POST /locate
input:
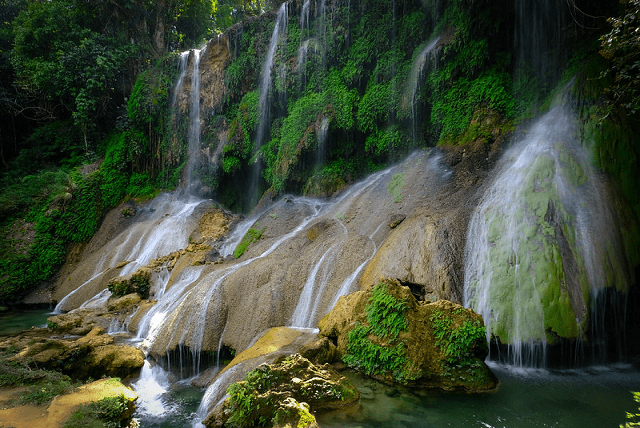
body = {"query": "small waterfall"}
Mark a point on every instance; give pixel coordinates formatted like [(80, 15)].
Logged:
[(535, 257), (414, 80), (97, 301), (62, 304), (304, 19), (323, 134), (215, 394), (264, 102), (539, 43), (302, 314), (151, 386)]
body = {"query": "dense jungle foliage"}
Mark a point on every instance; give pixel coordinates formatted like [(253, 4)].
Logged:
[(86, 92)]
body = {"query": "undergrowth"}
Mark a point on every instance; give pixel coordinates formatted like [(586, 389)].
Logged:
[(42, 385), (106, 413)]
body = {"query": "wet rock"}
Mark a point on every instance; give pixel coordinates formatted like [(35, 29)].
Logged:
[(123, 302)]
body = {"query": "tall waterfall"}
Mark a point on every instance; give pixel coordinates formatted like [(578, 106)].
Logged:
[(264, 102), (194, 123), (542, 243)]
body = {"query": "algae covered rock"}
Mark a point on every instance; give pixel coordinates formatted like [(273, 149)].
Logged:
[(283, 394), (544, 241), (387, 334)]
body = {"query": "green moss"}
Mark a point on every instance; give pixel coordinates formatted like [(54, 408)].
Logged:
[(396, 185), (252, 235)]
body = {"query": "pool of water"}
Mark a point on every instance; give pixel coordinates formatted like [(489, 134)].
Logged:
[(595, 397), (17, 321)]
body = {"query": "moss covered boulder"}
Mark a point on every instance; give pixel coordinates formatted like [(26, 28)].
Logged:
[(386, 333), (284, 394), (544, 240)]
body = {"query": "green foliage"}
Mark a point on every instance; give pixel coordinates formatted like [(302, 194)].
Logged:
[(386, 140), (138, 283), (243, 396), (386, 320), (457, 104), (252, 235), (373, 109), (114, 170), (106, 413), (31, 190), (621, 47), (633, 419), (43, 385), (149, 97), (373, 359), (385, 313), (457, 343)]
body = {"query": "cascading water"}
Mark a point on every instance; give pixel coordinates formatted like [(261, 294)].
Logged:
[(536, 250)]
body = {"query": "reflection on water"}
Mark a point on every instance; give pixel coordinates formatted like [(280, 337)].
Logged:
[(595, 397), (15, 322)]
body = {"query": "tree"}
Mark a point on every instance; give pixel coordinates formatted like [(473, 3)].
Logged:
[(621, 46)]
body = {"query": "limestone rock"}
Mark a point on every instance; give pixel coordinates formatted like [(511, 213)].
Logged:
[(124, 302), (94, 355)]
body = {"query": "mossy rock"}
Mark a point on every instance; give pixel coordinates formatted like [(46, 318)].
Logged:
[(284, 394), (420, 350)]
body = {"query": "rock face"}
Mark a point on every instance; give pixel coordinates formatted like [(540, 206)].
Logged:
[(94, 355), (283, 394), (387, 334)]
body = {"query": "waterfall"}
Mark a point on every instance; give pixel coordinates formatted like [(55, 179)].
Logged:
[(539, 36), (194, 123), (323, 134), (264, 102), (414, 80), (184, 59), (216, 393), (536, 250), (151, 386)]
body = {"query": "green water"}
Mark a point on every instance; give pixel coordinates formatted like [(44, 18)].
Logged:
[(595, 397), (15, 322)]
